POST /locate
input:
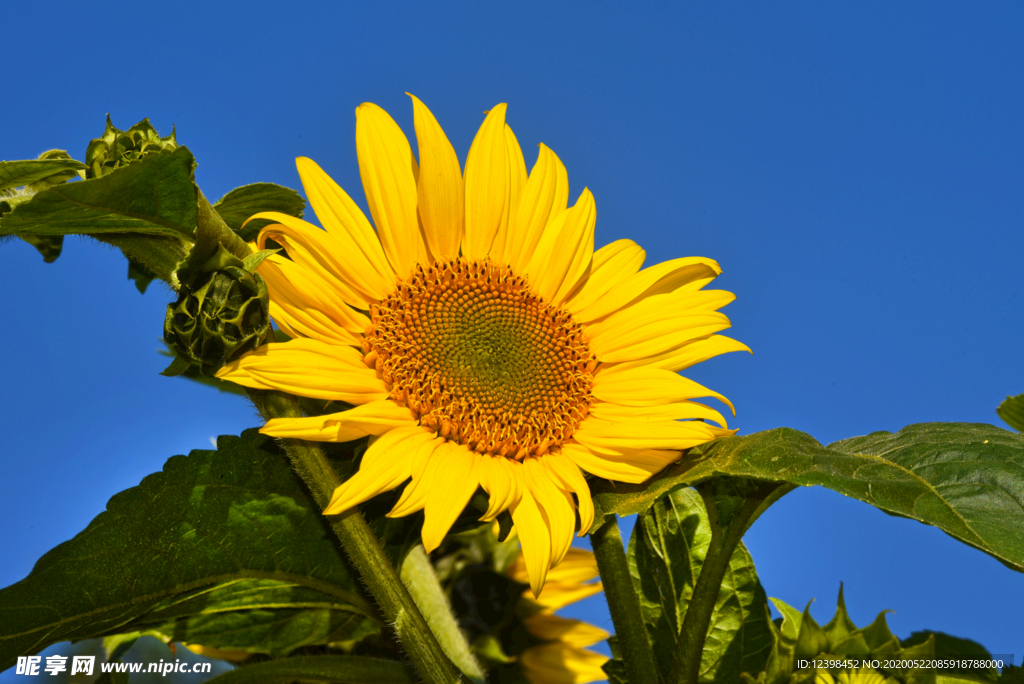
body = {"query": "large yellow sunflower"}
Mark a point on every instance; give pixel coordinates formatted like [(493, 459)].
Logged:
[(480, 339)]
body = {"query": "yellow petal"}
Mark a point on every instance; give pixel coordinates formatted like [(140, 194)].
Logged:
[(626, 466), (414, 496), (308, 302), (579, 565), (564, 252), (500, 478), (613, 264), (386, 464), (535, 537), (320, 252), (680, 410), (560, 663), (667, 276), (516, 183), (308, 368), (344, 219), (573, 632), (449, 489), (611, 438), (374, 418), (544, 196), (386, 168), (644, 386), (487, 185), (564, 472), (690, 354), (557, 507), (439, 189)]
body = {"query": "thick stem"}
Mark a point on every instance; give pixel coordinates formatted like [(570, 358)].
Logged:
[(420, 579), (212, 229), (623, 603), (363, 549), (729, 514)]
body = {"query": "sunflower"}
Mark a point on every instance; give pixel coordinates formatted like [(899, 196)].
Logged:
[(478, 337), (563, 657)]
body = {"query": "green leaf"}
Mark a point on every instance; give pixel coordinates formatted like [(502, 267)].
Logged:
[(947, 645), (967, 479), (241, 203), (14, 174), (153, 196), (791, 618), (49, 246), (338, 669), (222, 548), (254, 260), (665, 555), (139, 273), (1012, 411)]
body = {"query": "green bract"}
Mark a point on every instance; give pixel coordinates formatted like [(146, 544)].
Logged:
[(117, 148), (222, 311)]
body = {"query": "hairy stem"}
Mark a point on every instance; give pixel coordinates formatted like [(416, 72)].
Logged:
[(422, 583), (623, 603), (363, 549), (731, 507)]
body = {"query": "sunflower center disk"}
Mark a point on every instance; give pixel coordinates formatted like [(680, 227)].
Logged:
[(481, 359)]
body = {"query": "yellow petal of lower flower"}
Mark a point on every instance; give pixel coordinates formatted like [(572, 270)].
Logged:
[(414, 496), (386, 169), (578, 566), (344, 219), (374, 418), (565, 250), (667, 276), (535, 537), (573, 632), (487, 185), (560, 663), (613, 264), (559, 594), (644, 386), (681, 410), (449, 489), (439, 188), (308, 368), (386, 464), (565, 473), (545, 195), (556, 504), (613, 437), (689, 354), (627, 465)]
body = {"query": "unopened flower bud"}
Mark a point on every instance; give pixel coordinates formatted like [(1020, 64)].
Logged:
[(222, 311), (117, 148)]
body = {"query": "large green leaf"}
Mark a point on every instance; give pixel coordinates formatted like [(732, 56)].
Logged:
[(967, 479), (241, 203), (153, 196), (1012, 411), (14, 174), (222, 548), (665, 555)]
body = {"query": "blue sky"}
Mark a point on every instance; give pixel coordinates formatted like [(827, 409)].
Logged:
[(857, 172)]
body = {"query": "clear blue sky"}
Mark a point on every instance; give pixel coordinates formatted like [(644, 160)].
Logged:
[(857, 171)]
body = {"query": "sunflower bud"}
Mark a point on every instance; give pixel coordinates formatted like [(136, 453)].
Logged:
[(117, 148), (222, 312)]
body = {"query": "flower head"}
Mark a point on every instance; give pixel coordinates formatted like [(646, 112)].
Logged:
[(562, 658), (480, 339)]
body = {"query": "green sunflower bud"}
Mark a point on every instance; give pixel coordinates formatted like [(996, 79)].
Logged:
[(117, 148), (222, 312)]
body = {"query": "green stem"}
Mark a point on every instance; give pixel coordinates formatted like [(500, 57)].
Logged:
[(420, 579), (212, 229), (731, 507), (362, 547), (623, 603)]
